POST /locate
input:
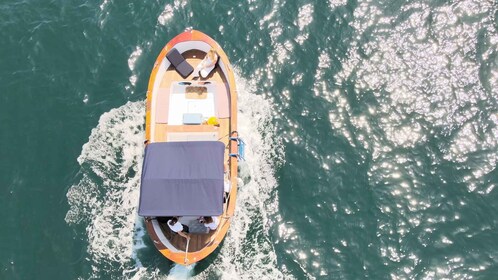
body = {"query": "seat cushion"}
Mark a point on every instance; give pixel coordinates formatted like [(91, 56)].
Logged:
[(179, 62), (162, 102), (184, 69), (175, 57), (206, 71)]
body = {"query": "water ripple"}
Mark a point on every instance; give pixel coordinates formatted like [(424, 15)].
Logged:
[(418, 78)]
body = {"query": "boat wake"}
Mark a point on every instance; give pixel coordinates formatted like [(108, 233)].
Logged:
[(104, 200), (180, 272)]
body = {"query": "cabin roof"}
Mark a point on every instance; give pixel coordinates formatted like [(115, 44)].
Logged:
[(182, 179)]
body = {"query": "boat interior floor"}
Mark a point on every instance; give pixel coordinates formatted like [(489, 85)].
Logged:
[(200, 236)]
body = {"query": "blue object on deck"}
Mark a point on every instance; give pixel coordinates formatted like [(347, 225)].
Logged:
[(241, 148), (190, 118)]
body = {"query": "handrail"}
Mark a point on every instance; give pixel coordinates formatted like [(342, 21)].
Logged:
[(241, 145)]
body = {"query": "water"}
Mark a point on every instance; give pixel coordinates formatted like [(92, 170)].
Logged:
[(371, 126)]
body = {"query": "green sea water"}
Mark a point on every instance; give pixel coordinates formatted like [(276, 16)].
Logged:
[(372, 132)]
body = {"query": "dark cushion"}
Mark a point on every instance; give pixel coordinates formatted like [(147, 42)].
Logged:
[(175, 57), (185, 69), (179, 62)]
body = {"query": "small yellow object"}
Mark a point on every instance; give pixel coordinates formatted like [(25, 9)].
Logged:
[(213, 121)]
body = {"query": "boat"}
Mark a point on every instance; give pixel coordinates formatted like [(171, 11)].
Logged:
[(192, 147)]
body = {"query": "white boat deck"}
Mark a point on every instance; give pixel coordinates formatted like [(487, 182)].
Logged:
[(180, 104)]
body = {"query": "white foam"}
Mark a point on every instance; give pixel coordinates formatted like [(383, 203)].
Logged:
[(333, 4), (104, 5), (132, 61), (305, 16), (271, 15), (166, 15), (106, 197), (169, 11), (180, 272)]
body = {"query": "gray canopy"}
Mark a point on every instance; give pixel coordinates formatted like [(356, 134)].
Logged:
[(182, 179)]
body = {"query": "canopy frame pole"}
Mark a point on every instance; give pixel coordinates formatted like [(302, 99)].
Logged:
[(228, 196), (226, 204), (186, 251)]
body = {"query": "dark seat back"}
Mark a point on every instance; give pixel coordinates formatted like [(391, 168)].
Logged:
[(179, 62)]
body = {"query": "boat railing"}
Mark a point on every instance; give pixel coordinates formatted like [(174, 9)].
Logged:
[(241, 146)]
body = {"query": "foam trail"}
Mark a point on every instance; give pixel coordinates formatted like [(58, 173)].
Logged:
[(180, 272), (106, 197)]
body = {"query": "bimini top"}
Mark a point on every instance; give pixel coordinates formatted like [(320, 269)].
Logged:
[(182, 179)]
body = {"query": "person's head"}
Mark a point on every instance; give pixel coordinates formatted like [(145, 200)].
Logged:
[(208, 220), (173, 221)]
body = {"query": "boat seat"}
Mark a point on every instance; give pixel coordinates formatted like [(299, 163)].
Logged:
[(193, 225), (179, 62), (198, 228)]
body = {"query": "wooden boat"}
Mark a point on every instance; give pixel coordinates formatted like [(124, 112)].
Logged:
[(189, 118)]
